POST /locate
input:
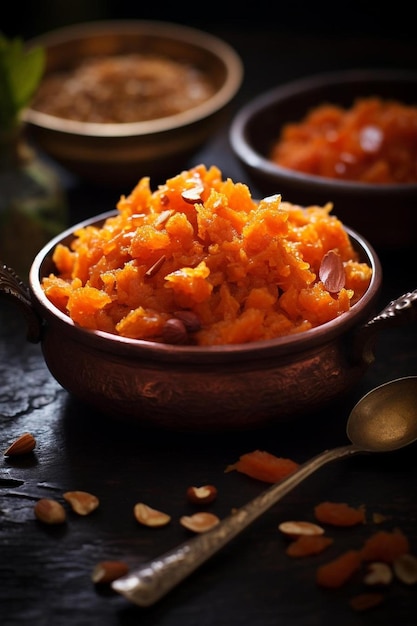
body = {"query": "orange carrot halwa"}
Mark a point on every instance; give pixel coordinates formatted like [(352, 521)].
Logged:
[(201, 248), (373, 141)]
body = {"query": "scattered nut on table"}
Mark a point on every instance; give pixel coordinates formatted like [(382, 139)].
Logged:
[(199, 522), (201, 495), (50, 511), (148, 516), (82, 502), (22, 445)]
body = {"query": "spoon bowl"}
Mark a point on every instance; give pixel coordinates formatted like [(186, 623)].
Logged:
[(385, 419)]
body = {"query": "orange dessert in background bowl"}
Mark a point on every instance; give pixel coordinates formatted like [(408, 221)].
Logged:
[(348, 138)]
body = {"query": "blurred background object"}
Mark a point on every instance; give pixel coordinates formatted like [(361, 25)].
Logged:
[(120, 97)]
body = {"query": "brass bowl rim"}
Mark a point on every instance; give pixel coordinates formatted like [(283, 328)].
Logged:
[(151, 28)]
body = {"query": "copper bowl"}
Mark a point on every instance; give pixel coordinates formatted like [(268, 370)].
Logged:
[(383, 213), (114, 154), (193, 388)]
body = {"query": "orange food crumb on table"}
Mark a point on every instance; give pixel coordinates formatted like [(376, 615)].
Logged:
[(339, 514), (308, 545), (337, 572), (264, 466)]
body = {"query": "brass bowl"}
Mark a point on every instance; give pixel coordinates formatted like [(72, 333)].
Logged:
[(383, 213), (223, 388), (117, 154)]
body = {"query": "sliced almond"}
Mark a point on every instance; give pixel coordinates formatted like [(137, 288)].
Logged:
[(154, 269), (378, 574), (199, 522), (162, 217), (148, 516), (107, 571), (296, 529), (202, 495), (50, 511), (22, 445), (405, 568), (332, 272), (193, 195), (81, 502)]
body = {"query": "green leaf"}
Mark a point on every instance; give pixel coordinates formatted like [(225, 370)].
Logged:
[(20, 73)]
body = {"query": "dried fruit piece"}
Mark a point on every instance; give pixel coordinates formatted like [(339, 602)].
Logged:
[(202, 495), (199, 522), (49, 511), (22, 445), (148, 516), (81, 502), (339, 514), (378, 574), (296, 529), (385, 546), (405, 569), (332, 272), (365, 601), (307, 545), (263, 466), (337, 572), (107, 571)]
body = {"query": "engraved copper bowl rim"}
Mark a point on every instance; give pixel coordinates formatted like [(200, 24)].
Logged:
[(282, 346)]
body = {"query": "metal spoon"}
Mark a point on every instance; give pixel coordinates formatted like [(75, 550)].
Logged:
[(385, 419)]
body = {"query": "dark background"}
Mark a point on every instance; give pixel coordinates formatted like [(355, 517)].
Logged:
[(323, 17)]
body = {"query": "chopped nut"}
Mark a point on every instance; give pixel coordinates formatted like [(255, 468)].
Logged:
[(175, 332), (332, 271), (22, 445), (202, 495), (50, 511), (405, 568), (199, 522), (378, 574), (296, 529), (81, 502), (193, 195), (162, 217), (365, 601), (147, 516), (107, 571), (154, 269)]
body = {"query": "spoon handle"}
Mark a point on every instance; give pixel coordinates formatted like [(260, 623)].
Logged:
[(152, 580)]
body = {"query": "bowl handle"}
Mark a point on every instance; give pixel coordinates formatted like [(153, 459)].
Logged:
[(398, 312), (14, 289)]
